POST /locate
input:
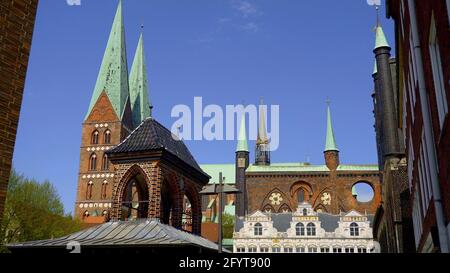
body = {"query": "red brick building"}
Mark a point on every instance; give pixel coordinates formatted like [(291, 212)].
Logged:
[(421, 115), (131, 166), (280, 187), (16, 30)]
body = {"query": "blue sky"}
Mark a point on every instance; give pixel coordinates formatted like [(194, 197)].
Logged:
[(292, 53)]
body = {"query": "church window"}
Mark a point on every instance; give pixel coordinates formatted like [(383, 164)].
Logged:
[(300, 229), (354, 229), (301, 195), (104, 185), (105, 162), (93, 162), (107, 137), (258, 229), (94, 138), (89, 190), (311, 229)]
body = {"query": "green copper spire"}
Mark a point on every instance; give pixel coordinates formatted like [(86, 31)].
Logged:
[(354, 193), (375, 68), (330, 141), (380, 40), (140, 105), (242, 145), (113, 75)]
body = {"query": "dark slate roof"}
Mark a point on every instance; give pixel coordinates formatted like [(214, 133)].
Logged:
[(151, 135), (142, 233), (282, 221)]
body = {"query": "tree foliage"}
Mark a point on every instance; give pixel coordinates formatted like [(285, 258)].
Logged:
[(227, 225), (33, 211)]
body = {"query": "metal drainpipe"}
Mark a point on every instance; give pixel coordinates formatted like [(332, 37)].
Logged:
[(428, 130)]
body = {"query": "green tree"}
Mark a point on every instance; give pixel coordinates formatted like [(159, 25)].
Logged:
[(227, 226), (33, 211)]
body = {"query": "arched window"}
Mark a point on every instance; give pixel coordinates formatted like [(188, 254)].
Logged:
[(305, 212), (93, 162), (107, 137), (301, 195), (354, 229), (258, 229), (94, 137), (104, 186), (89, 190), (311, 229), (300, 229), (105, 163)]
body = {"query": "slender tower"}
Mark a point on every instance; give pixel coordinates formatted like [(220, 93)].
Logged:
[(107, 122), (331, 151), (242, 162), (262, 151), (386, 101), (139, 98)]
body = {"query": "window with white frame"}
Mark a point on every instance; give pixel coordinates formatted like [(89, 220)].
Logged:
[(438, 77)]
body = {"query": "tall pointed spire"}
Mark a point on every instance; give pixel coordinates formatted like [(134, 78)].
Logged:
[(113, 74), (242, 145), (140, 106), (330, 140), (262, 133), (380, 40)]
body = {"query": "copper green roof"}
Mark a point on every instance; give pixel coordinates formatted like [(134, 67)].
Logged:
[(139, 98), (113, 74), (242, 144), (228, 170), (380, 40), (330, 144), (360, 167), (213, 170)]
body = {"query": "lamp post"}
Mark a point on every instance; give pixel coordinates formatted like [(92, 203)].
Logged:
[(219, 189)]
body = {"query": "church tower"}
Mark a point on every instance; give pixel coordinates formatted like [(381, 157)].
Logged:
[(242, 163), (331, 151), (262, 152), (107, 122), (385, 95)]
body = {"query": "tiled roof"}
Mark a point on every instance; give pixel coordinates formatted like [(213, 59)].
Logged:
[(151, 135), (143, 233)]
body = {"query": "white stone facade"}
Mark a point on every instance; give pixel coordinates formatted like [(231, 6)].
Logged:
[(304, 231)]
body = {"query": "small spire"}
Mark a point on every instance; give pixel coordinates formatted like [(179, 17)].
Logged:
[(262, 133), (330, 140), (375, 68), (140, 105), (242, 145)]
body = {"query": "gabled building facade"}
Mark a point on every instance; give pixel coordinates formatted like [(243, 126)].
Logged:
[(304, 231)]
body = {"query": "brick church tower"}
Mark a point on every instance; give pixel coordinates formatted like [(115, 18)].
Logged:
[(117, 106)]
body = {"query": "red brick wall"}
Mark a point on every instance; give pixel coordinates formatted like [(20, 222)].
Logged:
[(16, 29)]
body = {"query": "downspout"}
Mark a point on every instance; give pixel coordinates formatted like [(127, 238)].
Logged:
[(428, 131)]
